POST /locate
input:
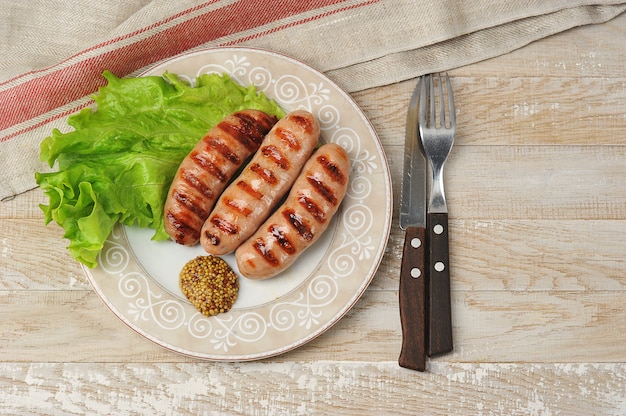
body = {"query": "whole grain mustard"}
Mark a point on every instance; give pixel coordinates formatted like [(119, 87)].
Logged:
[(210, 284)]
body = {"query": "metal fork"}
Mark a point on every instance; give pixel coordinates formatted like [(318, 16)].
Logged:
[(437, 136)]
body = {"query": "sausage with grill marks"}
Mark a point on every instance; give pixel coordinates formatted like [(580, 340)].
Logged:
[(301, 219), (248, 201), (206, 170)]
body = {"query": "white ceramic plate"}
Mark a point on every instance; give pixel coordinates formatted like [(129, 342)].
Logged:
[(138, 278)]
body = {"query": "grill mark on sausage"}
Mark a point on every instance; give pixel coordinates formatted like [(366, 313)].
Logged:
[(224, 225), (249, 131), (312, 208), (260, 126), (192, 180), (265, 174), (236, 132), (207, 165), (223, 149), (237, 206), (332, 169), (212, 238), (321, 188), (298, 224), (257, 129), (304, 122), (247, 188), (265, 252), (283, 242), (288, 137), (183, 229), (272, 153), (190, 203)]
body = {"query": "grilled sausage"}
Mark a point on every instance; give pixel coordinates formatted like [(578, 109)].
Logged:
[(248, 201), (206, 170), (301, 219)]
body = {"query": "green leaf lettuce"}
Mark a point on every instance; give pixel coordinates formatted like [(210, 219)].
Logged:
[(117, 163)]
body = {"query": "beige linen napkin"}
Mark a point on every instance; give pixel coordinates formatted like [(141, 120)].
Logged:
[(53, 52)]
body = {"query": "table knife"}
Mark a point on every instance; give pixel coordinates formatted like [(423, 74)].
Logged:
[(413, 271)]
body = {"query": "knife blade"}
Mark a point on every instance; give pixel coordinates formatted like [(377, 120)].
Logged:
[(413, 272)]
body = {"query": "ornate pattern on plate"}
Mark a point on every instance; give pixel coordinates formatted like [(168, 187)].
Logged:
[(146, 304)]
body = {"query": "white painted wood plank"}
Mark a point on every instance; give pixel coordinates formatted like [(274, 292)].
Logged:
[(292, 388), (485, 255), (498, 326)]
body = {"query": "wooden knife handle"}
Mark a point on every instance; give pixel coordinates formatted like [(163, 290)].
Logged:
[(440, 313), (413, 298)]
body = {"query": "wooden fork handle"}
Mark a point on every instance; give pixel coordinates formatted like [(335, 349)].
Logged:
[(440, 312), (413, 300)]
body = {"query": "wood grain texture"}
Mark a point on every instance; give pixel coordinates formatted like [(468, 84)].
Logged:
[(413, 300), (531, 110), (536, 185), (34, 256), (488, 326), (440, 340), (294, 388)]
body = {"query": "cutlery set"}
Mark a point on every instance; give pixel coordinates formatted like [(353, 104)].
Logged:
[(424, 293)]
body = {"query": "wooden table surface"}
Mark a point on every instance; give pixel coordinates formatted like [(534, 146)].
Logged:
[(536, 185)]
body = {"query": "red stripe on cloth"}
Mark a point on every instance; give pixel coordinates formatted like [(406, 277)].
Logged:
[(112, 41), (46, 121), (299, 22), (40, 95)]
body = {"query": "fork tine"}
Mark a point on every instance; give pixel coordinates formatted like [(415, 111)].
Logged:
[(431, 100), (452, 115), (442, 107), (423, 100)]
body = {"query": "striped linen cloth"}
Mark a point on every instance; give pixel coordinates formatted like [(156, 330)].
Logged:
[(54, 51)]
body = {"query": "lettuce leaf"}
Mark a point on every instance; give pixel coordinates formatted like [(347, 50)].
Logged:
[(117, 163)]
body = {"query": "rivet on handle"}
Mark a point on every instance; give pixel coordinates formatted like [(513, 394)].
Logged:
[(415, 272)]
